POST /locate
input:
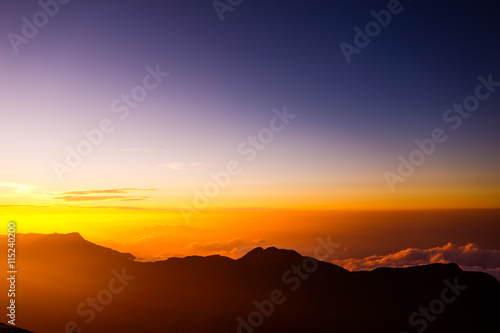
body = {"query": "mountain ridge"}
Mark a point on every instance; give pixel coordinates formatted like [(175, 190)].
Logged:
[(208, 294), (12, 329)]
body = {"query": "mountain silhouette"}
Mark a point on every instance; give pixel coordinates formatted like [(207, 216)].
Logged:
[(269, 256), (62, 278), (12, 329), (73, 242)]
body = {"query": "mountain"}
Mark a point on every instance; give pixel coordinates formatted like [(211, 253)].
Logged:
[(67, 284), (73, 242), (11, 329)]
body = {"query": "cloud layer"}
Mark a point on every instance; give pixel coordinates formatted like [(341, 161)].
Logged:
[(469, 257), (230, 247)]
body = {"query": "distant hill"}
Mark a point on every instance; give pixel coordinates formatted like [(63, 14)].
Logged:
[(71, 241), (66, 281)]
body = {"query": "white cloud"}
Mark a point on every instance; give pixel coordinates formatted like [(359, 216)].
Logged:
[(178, 165), (148, 150), (469, 257), (19, 188), (231, 247)]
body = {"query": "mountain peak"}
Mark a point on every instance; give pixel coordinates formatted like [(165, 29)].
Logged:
[(73, 243), (270, 255), (73, 235), (69, 237)]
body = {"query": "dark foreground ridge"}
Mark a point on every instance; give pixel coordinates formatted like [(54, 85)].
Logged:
[(11, 329), (69, 284)]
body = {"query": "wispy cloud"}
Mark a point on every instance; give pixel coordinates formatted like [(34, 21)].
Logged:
[(148, 150), (73, 198), (179, 166), (90, 195), (19, 188), (51, 206), (107, 191)]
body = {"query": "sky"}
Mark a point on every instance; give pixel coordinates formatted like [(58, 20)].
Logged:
[(192, 108)]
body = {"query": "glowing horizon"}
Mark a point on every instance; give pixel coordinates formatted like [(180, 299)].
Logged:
[(201, 120)]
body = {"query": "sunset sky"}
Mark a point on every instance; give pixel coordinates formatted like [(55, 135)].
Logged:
[(227, 80)]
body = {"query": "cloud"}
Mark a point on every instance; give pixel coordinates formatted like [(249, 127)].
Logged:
[(148, 150), (107, 191), (50, 206), (469, 257), (227, 247), (89, 195), (24, 205), (178, 166), (73, 198), (19, 188)]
